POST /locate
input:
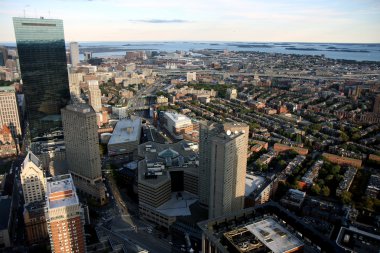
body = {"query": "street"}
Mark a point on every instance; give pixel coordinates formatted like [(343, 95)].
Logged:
[(122, 221)]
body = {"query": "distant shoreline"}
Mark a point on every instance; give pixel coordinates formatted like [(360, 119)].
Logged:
[(344, 51)]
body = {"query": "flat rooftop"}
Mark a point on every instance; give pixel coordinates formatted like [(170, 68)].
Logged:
[(356, 240), (61, 192), (178, 118), (153, 151), (82, 108), (7, 89), (126, 130), (252, 183), (178, 205), (273, 235)]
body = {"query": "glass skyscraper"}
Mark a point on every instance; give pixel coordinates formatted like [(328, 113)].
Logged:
[(42, 55)]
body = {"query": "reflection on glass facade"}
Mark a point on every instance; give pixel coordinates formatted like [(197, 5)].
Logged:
[(42, 55)]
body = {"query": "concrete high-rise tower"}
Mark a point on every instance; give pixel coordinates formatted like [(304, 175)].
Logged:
[(74, 53), (222, 167), (74, 84), (3, 55), (64, 216), (42, 56), (9, 113), (95, 95), (82, 149)]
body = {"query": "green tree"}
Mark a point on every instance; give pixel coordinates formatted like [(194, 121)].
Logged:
[(356, 136), (299, 139), (264, 167), (316, 189), (346, 197), (335, 169), (344, 137), (316, 127), (368, 204), (254, 126), (282, 163), (325, 191)]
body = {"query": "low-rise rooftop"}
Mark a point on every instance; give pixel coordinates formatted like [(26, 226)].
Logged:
[(273, 235), (178, 205), (126, 130)]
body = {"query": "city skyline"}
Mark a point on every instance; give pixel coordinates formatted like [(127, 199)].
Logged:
[(321, 21), (174, 135)]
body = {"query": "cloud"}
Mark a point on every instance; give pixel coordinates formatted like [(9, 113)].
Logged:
[(159, 21)]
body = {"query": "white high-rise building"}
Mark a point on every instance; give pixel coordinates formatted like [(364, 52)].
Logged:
[(74, 53), (191, 76), (95, 95), (222, 167), (33, 179), (9, 114), (74, 84), (82, 149), (231, 93)]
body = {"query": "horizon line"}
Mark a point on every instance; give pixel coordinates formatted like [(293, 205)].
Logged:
[(210, 41)]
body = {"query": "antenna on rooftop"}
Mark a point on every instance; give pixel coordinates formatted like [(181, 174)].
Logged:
[(26, 6)]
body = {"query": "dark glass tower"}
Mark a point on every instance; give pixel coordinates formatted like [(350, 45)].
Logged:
[(42, 55)]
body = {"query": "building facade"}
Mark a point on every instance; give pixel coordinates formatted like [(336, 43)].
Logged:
[(177, 124), (231, 93), (74, 85), (64, 216), (376, 105), (167, 170), (3, 56), (32, 179), (222, 168), (74, 53), (35, 222), (95, 95), (8, 145), (6, 222), (82, 149), (42, 56), (191, 76), (9, 113)]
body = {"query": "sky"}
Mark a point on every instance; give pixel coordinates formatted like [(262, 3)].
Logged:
[(340, 21)]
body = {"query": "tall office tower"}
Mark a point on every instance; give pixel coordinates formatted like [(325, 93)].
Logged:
[(231, 93), (376, 105), (74, 84), (74, 53), (222, 167), (9, 113), (95, 95), (32, 179), (82, 149), (3, 56), (87, 56), (64, 216), (42, 54)]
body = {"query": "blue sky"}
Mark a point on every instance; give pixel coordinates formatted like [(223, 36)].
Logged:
[(204, 20)]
